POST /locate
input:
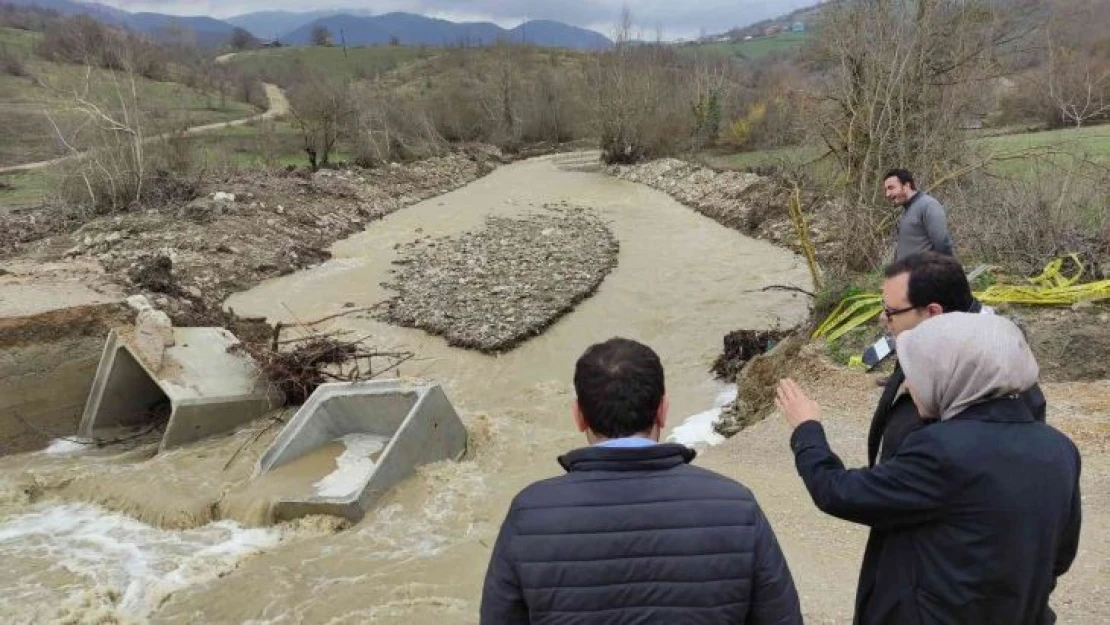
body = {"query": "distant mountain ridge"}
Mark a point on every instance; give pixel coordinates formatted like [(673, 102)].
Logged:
[(275, 24), (356, 27), (206, 32), (412, 29)]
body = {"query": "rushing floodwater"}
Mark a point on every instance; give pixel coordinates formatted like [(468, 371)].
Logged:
[(681, 284)]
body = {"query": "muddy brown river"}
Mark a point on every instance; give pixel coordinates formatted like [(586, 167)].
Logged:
[(158, 547)]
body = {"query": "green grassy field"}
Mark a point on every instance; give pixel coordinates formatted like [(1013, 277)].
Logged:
[(24, 189), (27, 104), (263, 144), (352, 64), (1064, 147), (19, 40), (753, 49), (1091, 143), (258, 145)]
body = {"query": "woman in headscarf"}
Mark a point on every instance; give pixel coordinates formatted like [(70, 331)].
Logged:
[(979, 511)]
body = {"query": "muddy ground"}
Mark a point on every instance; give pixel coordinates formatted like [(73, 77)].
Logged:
[(239, 231), (823, 552)]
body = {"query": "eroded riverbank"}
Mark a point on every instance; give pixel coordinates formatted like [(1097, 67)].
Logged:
[(681, 282)]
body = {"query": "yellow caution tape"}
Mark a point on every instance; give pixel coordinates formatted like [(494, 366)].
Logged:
[(850, 313), (1050, 288)]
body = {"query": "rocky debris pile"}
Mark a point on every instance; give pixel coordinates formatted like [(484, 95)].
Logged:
[(493, 288), (1070, 344), (749, 203), (756, 384), (743, 345), (249, 228), (21, 226)]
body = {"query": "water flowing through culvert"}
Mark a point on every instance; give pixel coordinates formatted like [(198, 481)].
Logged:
[(682, 282)]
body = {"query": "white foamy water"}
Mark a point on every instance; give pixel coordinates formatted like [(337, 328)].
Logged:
[(697, 430), (353, 466), (66, 446), (60, 552)]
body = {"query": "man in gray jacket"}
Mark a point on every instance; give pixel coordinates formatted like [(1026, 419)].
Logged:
[(923, 226)]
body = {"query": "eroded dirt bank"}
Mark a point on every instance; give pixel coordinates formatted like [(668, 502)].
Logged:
[(681, 283)]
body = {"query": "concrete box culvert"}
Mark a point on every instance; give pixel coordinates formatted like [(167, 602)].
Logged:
[(203, 386), (416, 421)]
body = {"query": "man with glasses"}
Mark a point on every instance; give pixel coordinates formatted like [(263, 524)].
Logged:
[(916, 288)]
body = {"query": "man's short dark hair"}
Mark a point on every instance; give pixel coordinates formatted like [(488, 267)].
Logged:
[(620, 387), (935, 279), (903, 176)]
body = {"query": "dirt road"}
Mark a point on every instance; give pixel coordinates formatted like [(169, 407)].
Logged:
[(279, 105)]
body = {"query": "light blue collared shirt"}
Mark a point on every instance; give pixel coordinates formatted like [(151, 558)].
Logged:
[(629, 442)]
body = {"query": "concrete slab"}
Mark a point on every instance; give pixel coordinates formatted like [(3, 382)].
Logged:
[(417, 424), (33, 288), (206, 386)]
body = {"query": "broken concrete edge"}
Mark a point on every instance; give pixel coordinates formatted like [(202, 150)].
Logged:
[(297, 438), (92, 320), (210, 390), (429, 431)]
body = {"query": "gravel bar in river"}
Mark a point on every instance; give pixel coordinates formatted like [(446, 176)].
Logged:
[(493, 288)]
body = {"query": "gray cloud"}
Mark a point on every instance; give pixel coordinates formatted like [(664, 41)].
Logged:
[(673, 17)]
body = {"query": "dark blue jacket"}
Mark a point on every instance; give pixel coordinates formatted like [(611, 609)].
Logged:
[(637, 536), (978, 515), (896, 416)]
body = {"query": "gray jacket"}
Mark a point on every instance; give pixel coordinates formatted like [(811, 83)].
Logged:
[(923, 228)]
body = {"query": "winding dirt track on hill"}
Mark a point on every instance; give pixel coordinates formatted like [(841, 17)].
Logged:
[(279, 105)]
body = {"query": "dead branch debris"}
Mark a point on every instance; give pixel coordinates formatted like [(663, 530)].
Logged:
[(297, 371)]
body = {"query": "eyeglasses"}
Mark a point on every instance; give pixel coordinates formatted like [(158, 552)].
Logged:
[(894, 312)]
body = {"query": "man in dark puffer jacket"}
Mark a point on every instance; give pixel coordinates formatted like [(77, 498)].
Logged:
[(633, 533)]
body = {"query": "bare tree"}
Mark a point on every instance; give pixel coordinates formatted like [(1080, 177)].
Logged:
[(241, 39), (904, 80), (123, 166), (1078, 85), (321, 36), (322, 107), (622, 34), (710, 82)]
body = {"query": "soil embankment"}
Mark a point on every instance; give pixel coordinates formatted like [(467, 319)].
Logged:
[(427, 541), (681, 283)]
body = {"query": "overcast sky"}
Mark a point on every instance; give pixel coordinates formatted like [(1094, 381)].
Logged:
[(676, 18)]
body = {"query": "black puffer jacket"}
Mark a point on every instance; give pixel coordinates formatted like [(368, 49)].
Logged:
[(978, 516), (896, 417), (637, 536)]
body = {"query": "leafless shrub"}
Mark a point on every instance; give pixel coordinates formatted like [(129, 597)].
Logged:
[(640, 110), (392, 128), (1023, 223), (322, 107), (13, 63), (123, 166)]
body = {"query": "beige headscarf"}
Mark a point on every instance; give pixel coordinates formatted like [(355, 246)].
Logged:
[(956, 360)]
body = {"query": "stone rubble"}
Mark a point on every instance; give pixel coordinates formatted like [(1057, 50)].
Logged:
[(493, 288), (248, 228), (749, 203)]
